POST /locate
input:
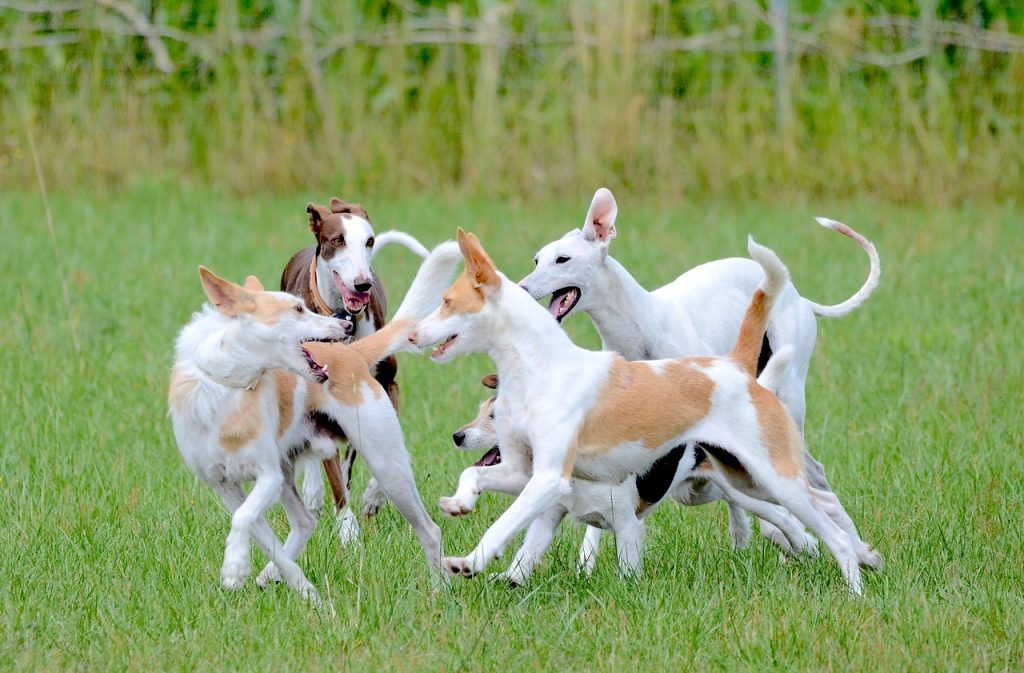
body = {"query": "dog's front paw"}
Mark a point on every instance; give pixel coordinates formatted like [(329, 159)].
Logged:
[(461, 567), (269, 575), (348, 527), (454, 506), (870, 558), (373, 499), (233, 574)]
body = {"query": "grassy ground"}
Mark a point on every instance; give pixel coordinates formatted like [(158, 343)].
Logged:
[(112, 549)]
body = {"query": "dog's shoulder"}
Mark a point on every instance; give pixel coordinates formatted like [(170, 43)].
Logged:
[(295, 278)]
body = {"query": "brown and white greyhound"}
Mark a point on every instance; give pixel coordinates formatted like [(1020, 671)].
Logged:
[(334, 278)]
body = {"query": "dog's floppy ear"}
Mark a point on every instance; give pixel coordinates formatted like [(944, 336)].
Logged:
[(339, 206), (253, 284), (479, 267), (317, 215), (490, 381), (600, 224), (229, 299)]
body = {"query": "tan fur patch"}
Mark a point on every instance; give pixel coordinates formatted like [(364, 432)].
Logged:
[(285, 382), (748, 345), (180, 389), (637, 403), (778, 432), (462, 297), (269, 309), (347, 370), (243, 423)]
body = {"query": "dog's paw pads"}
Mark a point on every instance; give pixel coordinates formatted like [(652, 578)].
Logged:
[(460, 567), (455, 507)]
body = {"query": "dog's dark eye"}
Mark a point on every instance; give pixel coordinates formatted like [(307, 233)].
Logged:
[(447, 301), (535, 261), (298, 308), (491, 415), (340, 241), (562, 259), (370, 242)]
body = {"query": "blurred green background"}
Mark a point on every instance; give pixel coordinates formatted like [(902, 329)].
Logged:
[(912, 102)]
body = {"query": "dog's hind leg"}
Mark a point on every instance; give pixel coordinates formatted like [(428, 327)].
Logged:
[(242, 507), (535, 544), (588, 551), (828, 502), (307, 470), (794, 539), (374, 430), (301, 524), (348, 525)]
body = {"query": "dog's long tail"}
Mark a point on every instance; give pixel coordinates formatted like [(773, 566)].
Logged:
[(748, 345), (401, 238), (861, 295), (424, 295)]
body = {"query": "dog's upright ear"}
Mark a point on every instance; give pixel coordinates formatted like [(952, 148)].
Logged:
[(339, 206), (253, 284), (317, 215), (229, 299), (479, 267), (600, 224), (490, 381)]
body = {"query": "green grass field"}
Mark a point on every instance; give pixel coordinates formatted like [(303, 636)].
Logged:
[(111, 548)]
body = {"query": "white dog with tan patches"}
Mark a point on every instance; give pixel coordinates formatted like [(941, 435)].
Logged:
[(247, 378), (596, 417)]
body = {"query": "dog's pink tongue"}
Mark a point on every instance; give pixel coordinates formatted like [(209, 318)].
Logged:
[(354, 301)]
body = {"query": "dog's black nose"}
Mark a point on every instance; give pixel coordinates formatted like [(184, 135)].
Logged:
[(364, 286), (459, 437)]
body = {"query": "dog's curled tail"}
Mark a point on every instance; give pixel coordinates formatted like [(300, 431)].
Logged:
[(748, 345), (424, 295), (861, 295), (401, 238)]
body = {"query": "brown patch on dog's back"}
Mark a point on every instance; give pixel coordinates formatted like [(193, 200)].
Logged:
[(243, 423), (637, 403), (180, 389), (778, 431), (285, 383)]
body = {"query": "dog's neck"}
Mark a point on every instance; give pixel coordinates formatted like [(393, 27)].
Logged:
[(323, 289), (623, 312), (524, 337), (217, 348)]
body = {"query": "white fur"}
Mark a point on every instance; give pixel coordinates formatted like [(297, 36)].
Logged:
[(699, 313), (548, 385), (227, 356)]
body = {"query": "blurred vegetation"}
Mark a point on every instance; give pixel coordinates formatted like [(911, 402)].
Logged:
[(895, 99)]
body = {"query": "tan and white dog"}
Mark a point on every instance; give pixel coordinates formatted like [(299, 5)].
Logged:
[(245, 387), (596, 417)]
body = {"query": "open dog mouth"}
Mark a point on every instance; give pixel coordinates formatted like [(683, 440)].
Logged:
[(355, 302), (445, 345), (319, 370), (563, 301), (492, 457)]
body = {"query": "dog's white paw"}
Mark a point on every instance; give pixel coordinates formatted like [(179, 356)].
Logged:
[(455, 506), (348, 527), (233, 574), (269, 575), (461, 567), (373, 499), (870, 558)]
